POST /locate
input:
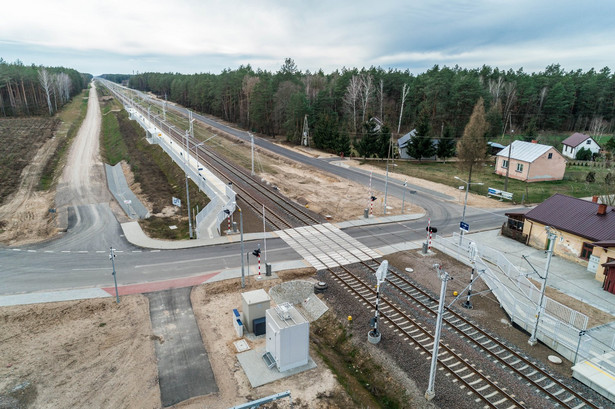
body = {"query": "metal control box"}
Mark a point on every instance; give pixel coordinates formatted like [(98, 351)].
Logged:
[(254, 304), (288, 337)]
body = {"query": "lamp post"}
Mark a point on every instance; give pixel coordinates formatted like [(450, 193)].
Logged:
[(465, 203), (386, 180), (187, 187), (243, 280), (403, 200), (551, 240)]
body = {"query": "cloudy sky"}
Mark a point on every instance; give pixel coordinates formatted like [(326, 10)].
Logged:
[(188, 36)]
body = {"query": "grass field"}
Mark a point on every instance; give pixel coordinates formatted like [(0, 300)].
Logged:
[(573, 184)]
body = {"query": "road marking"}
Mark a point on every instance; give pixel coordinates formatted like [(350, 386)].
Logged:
[(16, 249), (92, 268), (31, 251), (65, 251), (49, 251), (154, 251)]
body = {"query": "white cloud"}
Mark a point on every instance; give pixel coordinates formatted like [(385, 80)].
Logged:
[(317, 34)]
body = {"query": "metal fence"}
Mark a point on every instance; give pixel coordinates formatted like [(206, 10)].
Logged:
[(560, 327)]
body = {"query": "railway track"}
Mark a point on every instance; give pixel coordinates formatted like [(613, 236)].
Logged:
[(280, 212), (487, 391)]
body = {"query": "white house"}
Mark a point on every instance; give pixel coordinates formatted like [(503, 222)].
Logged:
[(576, 142)]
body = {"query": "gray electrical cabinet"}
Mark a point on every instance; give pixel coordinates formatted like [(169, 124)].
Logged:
[(254, 305), (288, 337)]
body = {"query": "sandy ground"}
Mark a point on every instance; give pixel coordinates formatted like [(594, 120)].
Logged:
[(359, 192), (80, 354), (27, 211), (213, 305), (82, 182)]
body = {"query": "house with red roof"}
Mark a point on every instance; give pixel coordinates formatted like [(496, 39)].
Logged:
[(585, 233), (577, 141)]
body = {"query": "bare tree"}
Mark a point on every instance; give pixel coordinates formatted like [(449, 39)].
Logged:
[(350, 98), (598, 126), (247, 87), (472, 148), (404, 94), (510, 89), (367, 82), (381, 98), (46, 83), (495, 89)]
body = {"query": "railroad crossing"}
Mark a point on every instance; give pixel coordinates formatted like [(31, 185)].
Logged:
[(326, 246)]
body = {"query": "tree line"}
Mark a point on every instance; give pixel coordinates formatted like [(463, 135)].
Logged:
[(340, 104), (36, 90)]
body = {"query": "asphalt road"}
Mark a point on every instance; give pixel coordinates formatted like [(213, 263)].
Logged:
[(80, 258)]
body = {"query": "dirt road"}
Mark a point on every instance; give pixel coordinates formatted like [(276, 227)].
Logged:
[(82, 198)]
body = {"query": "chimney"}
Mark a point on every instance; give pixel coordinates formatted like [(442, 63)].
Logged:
[(595, 199), (601, 209)]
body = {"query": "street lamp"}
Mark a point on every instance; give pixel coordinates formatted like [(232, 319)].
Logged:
[(465, 203), (243, 280), (186, 164)]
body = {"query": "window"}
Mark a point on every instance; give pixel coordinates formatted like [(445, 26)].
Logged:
[(504, 163), (550, 156), (589, 141), (519, 167), (586, 251)]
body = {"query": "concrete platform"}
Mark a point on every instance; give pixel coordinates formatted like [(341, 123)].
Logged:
[(597, 373), (257, 372)]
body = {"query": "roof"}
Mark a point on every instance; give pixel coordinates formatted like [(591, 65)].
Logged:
[(403, 141), (575, 139), (576, 216), (524, 151), (609, 264), (605, 243), (495, 145)]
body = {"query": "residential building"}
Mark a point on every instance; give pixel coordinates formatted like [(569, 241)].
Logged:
[(585, 233), (575, 142), (530, 162)]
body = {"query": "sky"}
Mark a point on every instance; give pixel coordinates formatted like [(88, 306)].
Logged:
[(197, 36)]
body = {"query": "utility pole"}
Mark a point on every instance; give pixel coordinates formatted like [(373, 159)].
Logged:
[(112, 258), (187, 188), (508, 166), (443, 275), (551, 239), (243, 280), (403, 200), (386, 179), (252, 144)]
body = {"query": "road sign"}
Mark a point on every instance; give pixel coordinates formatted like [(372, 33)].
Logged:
[(464, 226), (177, 202), (499, 193)]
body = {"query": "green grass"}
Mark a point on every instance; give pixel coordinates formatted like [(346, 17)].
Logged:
[(573, 184), (114, 147), (72, 116)]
